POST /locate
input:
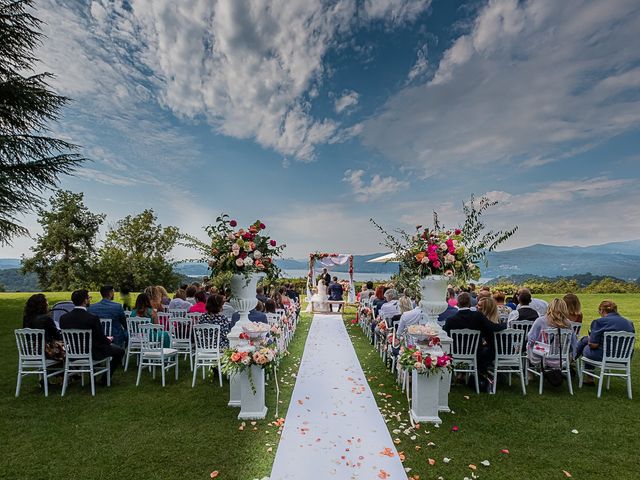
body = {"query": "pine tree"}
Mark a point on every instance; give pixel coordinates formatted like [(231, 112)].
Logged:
[(64, 253), (30, 160)]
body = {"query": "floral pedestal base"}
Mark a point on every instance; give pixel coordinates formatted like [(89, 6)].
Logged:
[(425, 397), (252, 404)]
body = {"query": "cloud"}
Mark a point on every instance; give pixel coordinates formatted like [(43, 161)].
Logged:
[(529, 82), (347, 100), (378, 187), (420, 68)]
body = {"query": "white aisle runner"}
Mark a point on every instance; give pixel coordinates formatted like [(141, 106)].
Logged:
[(333, 427)]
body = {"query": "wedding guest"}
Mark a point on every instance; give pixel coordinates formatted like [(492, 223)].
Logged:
[(270, 306), (513, 302), (286, 301), (107, 308), (125, 297), (36, 315), (555, 317), (179, 301), (466, 318), (451, 297), (523, 311), (191, 294), (80, 318), (537, 304), (260, 294), (450, 311), (200, 306), (277, 298), (292, 294), (155, 297), (379, 299), (405, 302), (610, 321), (164, 296), (227, 308), (368, 291), (411, 317), (503, 310), (144, 309), (391, 307), (573, 306), (215, 316), (489, 308)]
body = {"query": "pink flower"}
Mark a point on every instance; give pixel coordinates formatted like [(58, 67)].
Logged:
[(262, 226), (239, 262), (246, 236), (272, 243), (427, 361), (436, 264), (233, 223)]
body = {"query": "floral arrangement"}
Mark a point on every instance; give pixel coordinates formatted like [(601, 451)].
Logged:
[(238, 250), (437, 250), (237, 360), (424, 362)]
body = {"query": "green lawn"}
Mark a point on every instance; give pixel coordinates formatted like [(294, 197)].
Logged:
[(179, 432), (126, 432), (537, 430)]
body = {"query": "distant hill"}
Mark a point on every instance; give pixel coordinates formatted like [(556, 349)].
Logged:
[(14, 281), (583, 279), (9, 263)]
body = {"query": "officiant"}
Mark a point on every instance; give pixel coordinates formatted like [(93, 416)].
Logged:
[(325, 276)]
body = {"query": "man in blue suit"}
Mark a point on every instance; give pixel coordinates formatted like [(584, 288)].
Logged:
[(609, 321), (107, 308), (255, 315), (336, 292)]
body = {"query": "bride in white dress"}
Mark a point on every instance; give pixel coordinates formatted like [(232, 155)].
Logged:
[(320, 298)]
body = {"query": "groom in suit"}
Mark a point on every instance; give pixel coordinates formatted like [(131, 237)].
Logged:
[(336, 292), (80, 318)]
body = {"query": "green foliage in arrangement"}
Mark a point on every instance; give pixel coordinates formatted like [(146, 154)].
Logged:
[(63, 253), (136, 253), (31, 161)]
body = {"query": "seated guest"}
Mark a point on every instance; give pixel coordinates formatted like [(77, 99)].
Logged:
[(191, 294), (451, 297), (573, 307), (107, 308), (412, 317), (36, 315), (336, 292), (488, 307), (466, 318), (556, 317), (270, 306), (537, 304), (143, 309), (255, 315), (503, 310), (260, 295), (200, 306), (367, 291), (277, 298), (378, 299), (155, 297), (292, 294), (227, 308), (80, 318), (179, 301), (164, 296), (405, 302), (214, 316), (523, 311), (125, 296), (610, 321), (286, 301), (391, 307), (442, 318), (513, 302)]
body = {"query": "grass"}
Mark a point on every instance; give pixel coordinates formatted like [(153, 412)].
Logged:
[(536, 429), (148, 432), (183, 433)]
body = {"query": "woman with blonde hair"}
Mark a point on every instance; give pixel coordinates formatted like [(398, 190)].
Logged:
[(574, 307), (557, 316), (489, 308), (164, 295), (155, 297)]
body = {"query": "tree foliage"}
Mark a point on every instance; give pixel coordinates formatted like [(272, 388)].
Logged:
[(63, 253), (136, 253), (31, 161)]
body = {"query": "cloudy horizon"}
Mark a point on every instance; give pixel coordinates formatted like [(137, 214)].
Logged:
[(315, 116)]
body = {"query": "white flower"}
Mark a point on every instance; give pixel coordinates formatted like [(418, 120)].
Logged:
[(239, 262), (235, 249), (231, 237), (449, 258), (248, 262), (485, 463), (257, 254)]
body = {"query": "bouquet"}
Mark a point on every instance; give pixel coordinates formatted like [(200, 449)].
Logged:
[(424, 362), (235, 360)]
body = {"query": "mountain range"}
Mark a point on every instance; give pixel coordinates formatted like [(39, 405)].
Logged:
[(617, 259)]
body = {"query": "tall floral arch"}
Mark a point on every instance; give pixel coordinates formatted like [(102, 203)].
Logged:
[(328, 261)]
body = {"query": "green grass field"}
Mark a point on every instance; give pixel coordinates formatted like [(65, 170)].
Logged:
[(183, 433)]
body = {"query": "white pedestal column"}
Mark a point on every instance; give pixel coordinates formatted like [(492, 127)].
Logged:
[(252, 404), (445, 378), (234, 381), (425, 398)]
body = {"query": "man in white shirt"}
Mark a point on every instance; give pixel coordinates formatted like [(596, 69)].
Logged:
[(525, 309)]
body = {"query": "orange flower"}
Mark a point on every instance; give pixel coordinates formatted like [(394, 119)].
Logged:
[(420, 256)]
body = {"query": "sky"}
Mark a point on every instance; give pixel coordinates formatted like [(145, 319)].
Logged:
[(314, 116)]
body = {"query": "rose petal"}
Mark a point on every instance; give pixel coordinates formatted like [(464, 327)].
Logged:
[(566, 474), (505, 451), (575, 431), (446, 460), (214, 474), (472, 466), (432, 462), (485, 463)]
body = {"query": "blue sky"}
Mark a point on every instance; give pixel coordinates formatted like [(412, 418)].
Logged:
[(316, 115)]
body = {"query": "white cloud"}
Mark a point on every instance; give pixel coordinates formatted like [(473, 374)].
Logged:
[(529, 82), (346, 101), (378, 187), (395, 11), (420, 68)]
